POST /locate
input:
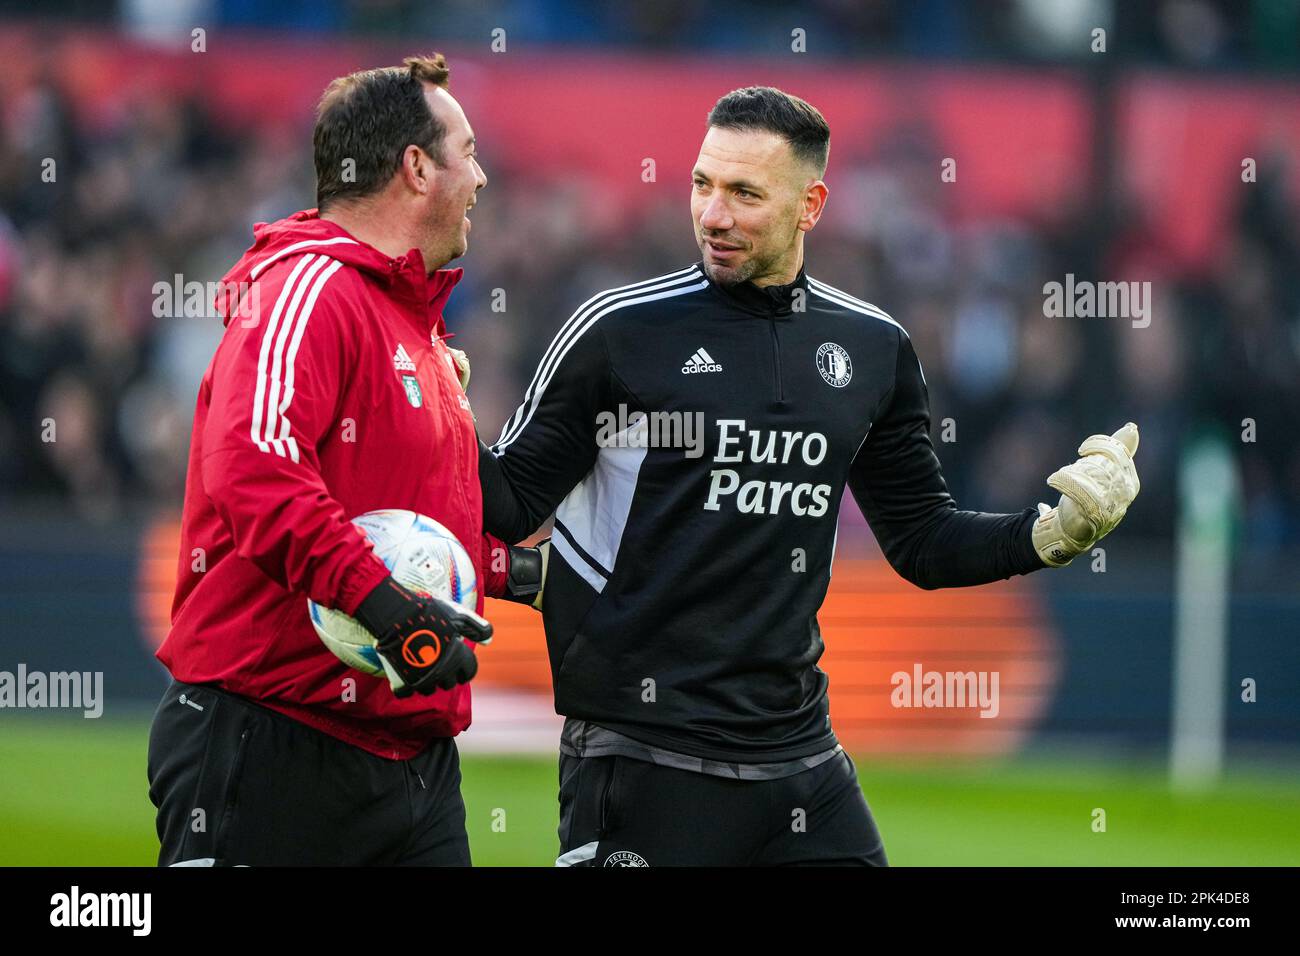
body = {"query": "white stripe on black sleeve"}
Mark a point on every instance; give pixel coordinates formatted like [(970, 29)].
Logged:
[(848, 301), (578, 323)]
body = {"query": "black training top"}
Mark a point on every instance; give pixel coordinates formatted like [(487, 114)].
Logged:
[(697, 440)]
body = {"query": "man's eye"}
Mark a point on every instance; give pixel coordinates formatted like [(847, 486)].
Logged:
[(744, 193)]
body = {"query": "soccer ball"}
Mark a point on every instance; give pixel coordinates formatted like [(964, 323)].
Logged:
[(423, 557)]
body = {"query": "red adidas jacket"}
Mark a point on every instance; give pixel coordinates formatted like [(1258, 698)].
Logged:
[(331, 394)]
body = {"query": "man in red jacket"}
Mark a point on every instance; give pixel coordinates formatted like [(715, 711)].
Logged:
[(332, 394)]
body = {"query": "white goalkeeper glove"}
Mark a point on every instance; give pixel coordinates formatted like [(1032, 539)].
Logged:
[(1095, 494), (462, 367)]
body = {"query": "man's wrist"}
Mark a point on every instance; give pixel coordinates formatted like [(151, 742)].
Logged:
[(1054, 546), (384, 606)]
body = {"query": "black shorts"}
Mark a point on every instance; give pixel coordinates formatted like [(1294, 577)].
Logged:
[(620, 811), (238, 784)]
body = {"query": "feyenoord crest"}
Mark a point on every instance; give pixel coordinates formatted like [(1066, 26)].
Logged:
[(413, 390), (625, 858), (834, 364)]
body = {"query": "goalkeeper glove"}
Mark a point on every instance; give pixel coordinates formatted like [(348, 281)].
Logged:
[(462, 367), (1095, 494), (527, 575), (419, 639)]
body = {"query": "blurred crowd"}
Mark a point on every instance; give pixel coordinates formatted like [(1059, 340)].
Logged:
[(163, 192), (1193, 33)]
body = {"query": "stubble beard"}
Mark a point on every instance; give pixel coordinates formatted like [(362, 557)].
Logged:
[(728, 275), (450, 243)]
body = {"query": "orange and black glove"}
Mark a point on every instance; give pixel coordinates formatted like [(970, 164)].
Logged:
[(421, 639)]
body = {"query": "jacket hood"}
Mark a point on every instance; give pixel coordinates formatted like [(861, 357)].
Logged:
[(306, 233)]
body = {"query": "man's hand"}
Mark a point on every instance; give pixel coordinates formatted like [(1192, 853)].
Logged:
[(1095, 494), (527, 577), (419, 639)]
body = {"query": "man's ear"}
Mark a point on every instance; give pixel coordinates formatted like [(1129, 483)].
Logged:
[(814, 204), (418, 170)]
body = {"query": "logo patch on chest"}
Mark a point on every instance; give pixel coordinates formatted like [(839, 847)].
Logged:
[(834, 364), (700, 363), (413, 394)]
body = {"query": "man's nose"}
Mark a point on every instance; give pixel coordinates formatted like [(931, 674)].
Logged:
[(716, 215), (482, 176)]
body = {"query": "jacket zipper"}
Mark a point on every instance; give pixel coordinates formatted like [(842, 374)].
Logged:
[(776, 361)]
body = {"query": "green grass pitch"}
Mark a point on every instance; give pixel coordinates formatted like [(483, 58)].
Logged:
[(73, 792)]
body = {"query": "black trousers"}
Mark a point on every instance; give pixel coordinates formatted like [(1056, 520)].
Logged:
[(619, 811), (237, 784)]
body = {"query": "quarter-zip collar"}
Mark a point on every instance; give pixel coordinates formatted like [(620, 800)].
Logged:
[(769, 301)]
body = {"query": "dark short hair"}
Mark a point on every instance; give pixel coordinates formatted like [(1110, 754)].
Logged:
[(796, 121), (370, 117)]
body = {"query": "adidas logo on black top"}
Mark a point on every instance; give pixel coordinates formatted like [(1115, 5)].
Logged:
[(701, 361)]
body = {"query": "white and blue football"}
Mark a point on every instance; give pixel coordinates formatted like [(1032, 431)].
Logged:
[(423, 557)]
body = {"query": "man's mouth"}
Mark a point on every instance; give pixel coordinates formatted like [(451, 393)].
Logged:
[(721, 250)]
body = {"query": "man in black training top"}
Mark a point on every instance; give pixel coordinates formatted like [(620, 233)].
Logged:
[(680, 617)]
